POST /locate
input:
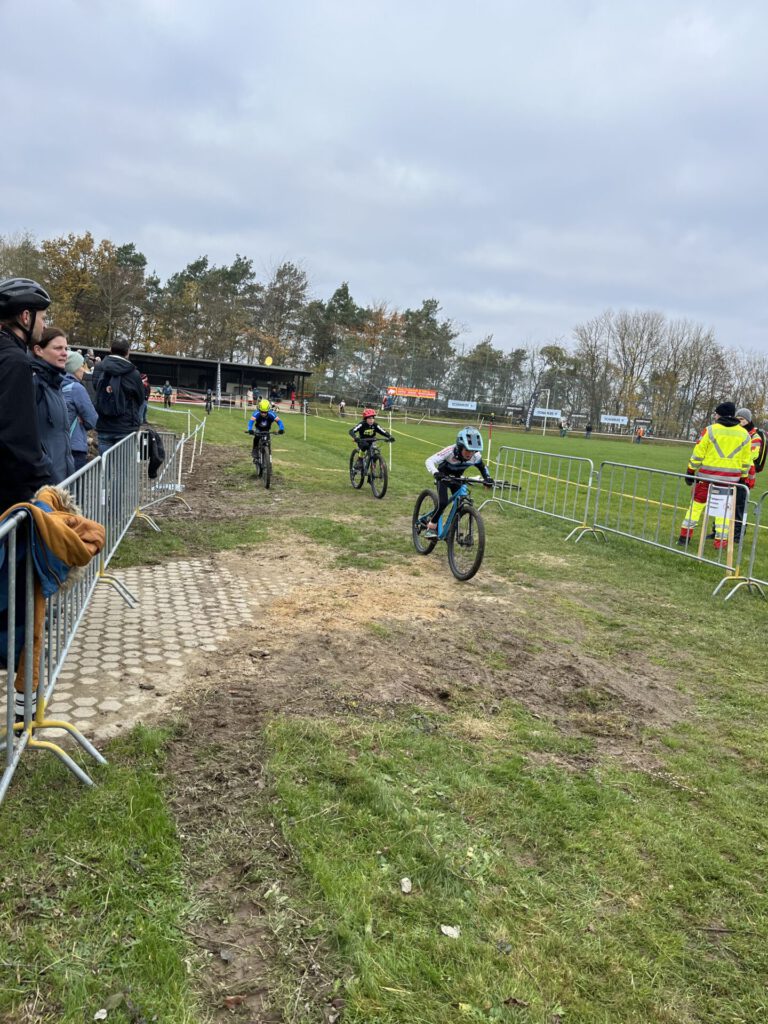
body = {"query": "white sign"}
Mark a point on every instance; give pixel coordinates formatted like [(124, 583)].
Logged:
[(621, 421), (550, 414), (719, 502), (455, 404)]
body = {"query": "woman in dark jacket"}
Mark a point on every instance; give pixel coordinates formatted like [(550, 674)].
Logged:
[(49, 357)]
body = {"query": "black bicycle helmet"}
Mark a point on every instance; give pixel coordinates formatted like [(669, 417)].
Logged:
[(20, 293)]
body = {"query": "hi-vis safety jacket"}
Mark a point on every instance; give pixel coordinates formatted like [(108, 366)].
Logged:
[(722, 451)]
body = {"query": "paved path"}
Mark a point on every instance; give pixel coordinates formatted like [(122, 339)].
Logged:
[(125, 662)]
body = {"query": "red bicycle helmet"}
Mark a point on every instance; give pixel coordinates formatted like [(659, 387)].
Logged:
[(368, 412)]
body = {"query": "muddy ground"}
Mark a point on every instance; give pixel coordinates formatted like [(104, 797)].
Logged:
[(349, 642)]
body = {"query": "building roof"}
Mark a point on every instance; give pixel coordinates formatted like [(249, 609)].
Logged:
[(225, 364)]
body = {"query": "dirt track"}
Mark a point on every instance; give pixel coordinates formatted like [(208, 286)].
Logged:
[(361, 643)]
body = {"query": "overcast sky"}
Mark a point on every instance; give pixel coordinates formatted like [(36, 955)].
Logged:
[(527, 165)]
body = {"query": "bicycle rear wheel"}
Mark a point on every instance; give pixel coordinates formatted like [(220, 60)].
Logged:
[(466, 543), (423, 511), (356, 475), (378, 476)]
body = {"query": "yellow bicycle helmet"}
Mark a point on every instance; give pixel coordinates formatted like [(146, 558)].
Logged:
[(263, 405)]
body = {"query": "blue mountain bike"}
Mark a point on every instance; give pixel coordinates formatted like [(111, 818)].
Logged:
[(461, 528)]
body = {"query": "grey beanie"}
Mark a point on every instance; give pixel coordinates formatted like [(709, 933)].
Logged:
[(744, 414), (74, 362)]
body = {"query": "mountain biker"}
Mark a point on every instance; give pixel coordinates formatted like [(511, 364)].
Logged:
[(261, 421), (447, 467), (364, 432)]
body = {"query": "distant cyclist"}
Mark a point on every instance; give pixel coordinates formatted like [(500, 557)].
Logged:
[(261, 421), (447, 467), (364, 432)]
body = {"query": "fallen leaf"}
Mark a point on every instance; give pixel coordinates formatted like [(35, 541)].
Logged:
[(233, 1001), (452, 931), (514, 1001), (406, 885)]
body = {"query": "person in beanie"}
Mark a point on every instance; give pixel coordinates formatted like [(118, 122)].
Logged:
[(723, 456), (756, 442), (82, 414)]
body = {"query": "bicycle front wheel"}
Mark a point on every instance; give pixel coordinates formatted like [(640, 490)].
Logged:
[(378, 476), (466, 543), (356, 475), (423, 511), (266, 456)]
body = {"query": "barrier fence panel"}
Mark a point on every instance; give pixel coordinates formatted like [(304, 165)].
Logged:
[(555, 485), (168, 483), (756, 577), (653, 506), (121, 491)]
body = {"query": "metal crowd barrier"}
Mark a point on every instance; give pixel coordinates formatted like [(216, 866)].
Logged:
[(110, 490), (758, 557), (555, 485), (169, 482), (63, 615), (649, 505)]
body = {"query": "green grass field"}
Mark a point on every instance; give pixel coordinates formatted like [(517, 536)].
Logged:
[(599, 869)]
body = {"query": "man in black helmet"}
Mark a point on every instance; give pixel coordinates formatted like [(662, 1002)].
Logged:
[(23, 467)]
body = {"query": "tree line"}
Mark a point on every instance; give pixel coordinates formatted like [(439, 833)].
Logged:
[(632, 363)]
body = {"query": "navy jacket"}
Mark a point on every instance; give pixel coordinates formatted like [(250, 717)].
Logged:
[(52, 419), (23, 468)]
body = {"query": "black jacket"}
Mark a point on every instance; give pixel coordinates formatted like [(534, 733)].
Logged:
[(53, 419), (23, 468), (133, 391)]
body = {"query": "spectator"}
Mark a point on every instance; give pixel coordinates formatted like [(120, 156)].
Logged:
[(342, 407), (588, 431), (167, 394), (723, 455), (119, 396), (756, 439), (49, 357), (82, 414), (293, 399), (208, 400), (23, 466), (147, 393)]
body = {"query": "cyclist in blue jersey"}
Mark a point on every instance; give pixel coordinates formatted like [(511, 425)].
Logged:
[(448, 465), (261, 421)]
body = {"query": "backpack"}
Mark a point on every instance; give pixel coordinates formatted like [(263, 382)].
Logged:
[(763, 453), (109, 400), (153, 450)]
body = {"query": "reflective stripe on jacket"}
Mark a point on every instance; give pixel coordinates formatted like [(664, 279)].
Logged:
[(722, 451)]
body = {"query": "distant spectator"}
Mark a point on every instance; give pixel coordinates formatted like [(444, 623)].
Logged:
[(23, 466), (147, 393), (167, 394), (82, 414), (208, 400), (293, 399), (342, 407), (588, 431), (49, 357), (119, 396)]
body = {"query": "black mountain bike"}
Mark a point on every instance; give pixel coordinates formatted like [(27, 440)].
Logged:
[(461, 527), (262, 458), (369, 465)]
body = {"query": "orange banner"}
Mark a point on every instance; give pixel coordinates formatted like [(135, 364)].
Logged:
[(412, 392)]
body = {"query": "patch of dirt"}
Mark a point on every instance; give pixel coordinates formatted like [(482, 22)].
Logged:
[(347, 641)]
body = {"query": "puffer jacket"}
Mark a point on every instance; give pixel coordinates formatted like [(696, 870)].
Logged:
[(81, 412), (52, 419)]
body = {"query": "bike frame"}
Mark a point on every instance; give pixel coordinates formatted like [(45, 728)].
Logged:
[(444, 524)]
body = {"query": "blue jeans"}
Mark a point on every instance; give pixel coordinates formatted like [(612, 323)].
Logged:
[(107, 441)]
